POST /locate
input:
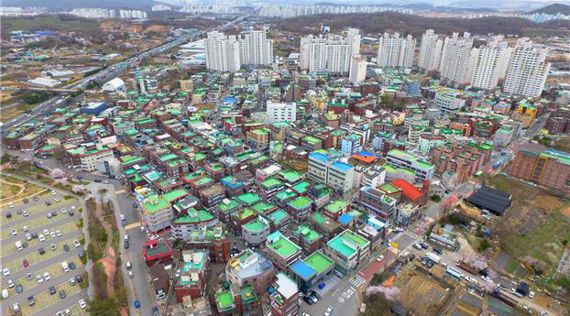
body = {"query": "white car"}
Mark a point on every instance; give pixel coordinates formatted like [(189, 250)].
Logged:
[(76, 243), (63, 210), (6, 271), (380, 258), (57, 233), (53, 192), (40, 278), (531, 294), (26, 214), (82, 303), (11, 205), (26, 229), (10, 284), (52, 234), (14, 232), (329, 311), (131, 274), (47, 276), (46, 231), (41, 238)]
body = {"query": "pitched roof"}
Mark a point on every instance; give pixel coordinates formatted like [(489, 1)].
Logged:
[(409, 190)]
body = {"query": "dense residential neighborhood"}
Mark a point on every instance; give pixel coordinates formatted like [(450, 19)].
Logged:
[(269, 172)]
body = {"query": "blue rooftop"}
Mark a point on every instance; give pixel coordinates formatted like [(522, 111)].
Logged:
[(319, 156), (303, 270), (342, 166), (345, 219)]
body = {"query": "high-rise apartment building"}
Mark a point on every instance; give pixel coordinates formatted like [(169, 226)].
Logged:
[(490, 63), (527, 70), (331, 53), (256, 48), (222, 52), (430, 51), (396, 51), (357, 69), (455, 58)]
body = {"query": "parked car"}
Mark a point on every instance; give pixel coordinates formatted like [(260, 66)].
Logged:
[(19, 288), (66, 248), (82, 303), (41, 251), (31, 300), (78, 278), (72, 265), (25, 263), (62, 294), (76, 243), (329, 311), (52, 290)]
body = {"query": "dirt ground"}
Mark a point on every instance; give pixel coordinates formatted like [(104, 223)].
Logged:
[(535, 226), (420, 294)]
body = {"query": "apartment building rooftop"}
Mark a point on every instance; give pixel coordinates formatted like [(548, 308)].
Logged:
[(347, 243), (282, 245)]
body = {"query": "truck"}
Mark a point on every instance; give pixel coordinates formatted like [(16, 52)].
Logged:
[(433, 257)]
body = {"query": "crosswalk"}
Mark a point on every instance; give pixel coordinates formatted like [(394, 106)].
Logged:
[(357, 280)]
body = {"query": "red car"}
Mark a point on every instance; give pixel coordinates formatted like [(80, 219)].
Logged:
[(25, 263)]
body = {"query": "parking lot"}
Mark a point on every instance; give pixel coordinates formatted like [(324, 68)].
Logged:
[(38, 234)]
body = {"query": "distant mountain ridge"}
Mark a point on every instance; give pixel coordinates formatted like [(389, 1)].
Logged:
[(554, 9)]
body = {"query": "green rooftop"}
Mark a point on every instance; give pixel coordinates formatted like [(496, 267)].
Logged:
[(302, 187), (155, 203), (278, 216), (300, 203), (307, 233), (225, 301), (229, 205), (319, 261), (249, 198), (290, 176), (175, 194), (347, 243), (195, 216), (286, 194), (254, 225), (271, 183), (262, 207), (281, 245), (336, 206)]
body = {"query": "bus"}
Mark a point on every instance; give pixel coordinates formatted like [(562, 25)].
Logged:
[(454, 273)]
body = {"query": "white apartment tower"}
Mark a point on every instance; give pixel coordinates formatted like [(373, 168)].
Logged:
[(331, 53), (256, 49), (455, 58), (527, 70), (357, 68), (222, 52), (396, 51), (490, 63), (430, 51)]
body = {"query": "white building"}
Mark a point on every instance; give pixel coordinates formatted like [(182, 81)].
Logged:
[(430, 51), (89, 159), (256, 48), (114, 85), (331, 53), (396, 51), (455, 58), (357, 68), (490, 63), (399, 159), (222, 52), (448, 101), (281, 112), (527, 70), (334, 173)]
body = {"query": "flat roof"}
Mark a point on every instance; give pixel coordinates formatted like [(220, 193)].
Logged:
[(195, 216), (155, 203), (300, 203), (285, 285), (249, 198), (254, 225), (303, 270), (319, 261), (347, 243), (225, 300), (282, 245), (336, 206)]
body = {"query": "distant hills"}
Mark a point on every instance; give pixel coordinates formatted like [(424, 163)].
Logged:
[(554, 9), (412, 24)]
